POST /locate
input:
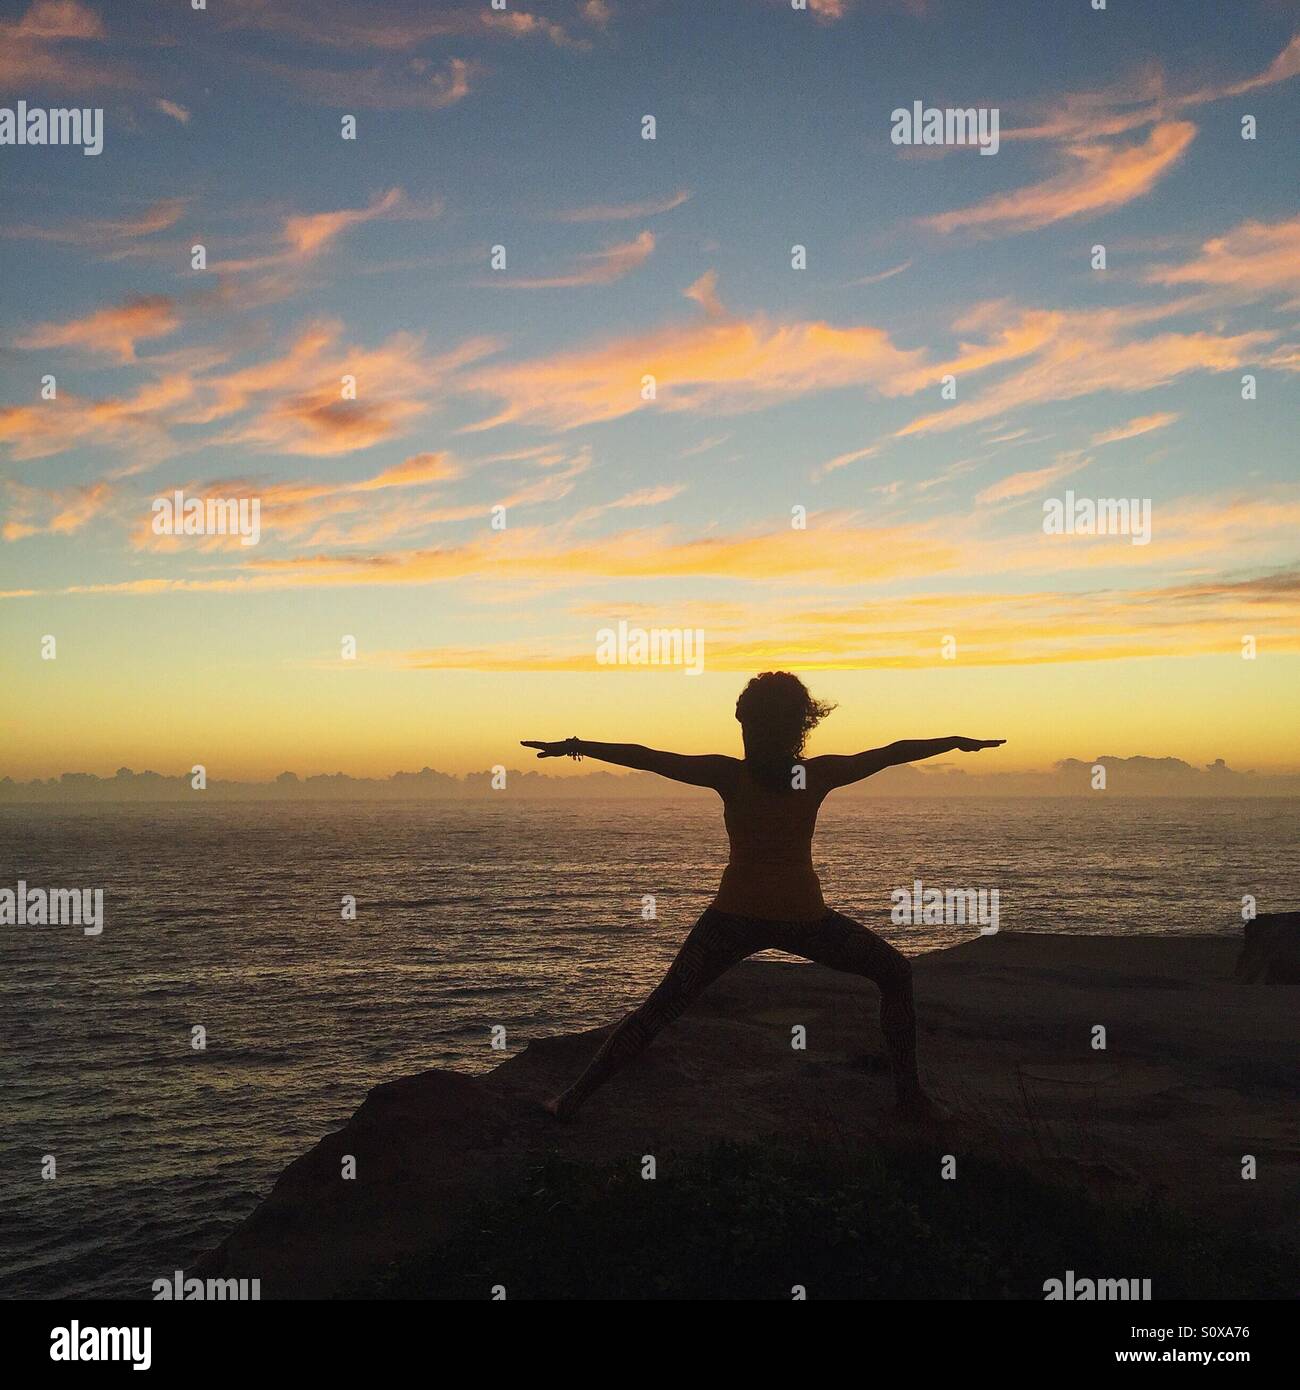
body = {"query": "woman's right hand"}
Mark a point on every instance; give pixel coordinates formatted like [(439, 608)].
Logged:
[(550, 750), (973, 745)]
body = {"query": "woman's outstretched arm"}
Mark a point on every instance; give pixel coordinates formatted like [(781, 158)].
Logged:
[(705, 770), (838, 770)]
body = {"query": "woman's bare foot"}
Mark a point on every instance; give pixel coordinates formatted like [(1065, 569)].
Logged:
[(560, 1108)]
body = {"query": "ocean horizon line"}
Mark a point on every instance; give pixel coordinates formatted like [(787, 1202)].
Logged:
[(1071, 777)]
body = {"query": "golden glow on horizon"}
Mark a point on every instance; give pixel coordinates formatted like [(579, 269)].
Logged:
[(243, 725)]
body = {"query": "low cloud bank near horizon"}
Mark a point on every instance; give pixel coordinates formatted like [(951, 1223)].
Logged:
[(1135, 776)]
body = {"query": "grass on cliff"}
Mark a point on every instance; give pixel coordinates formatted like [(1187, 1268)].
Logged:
[(752, 1222)]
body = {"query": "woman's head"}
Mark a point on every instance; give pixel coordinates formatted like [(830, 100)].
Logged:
[(776, 715)]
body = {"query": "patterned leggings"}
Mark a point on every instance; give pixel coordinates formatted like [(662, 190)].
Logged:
[(718, 941)]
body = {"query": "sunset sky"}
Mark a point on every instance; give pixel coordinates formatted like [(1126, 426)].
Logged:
[(625, 257)]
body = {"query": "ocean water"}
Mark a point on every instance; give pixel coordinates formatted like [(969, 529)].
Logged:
[(526, 914)]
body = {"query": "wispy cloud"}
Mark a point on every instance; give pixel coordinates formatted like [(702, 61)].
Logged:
[(1141, 99), (643, 497), (99, 231), (843, 460), (1253, 259), (52, 511), (308, 234), (843, 553), (133, 423), (1098, 170), (594, 268), (306, 410), (723, 364), (303, 238), (392, 505), (292, 401), (1074, 353), (597, 12), (995, 627), (416, 84), (173, 109), (1029, 481), (47, 48), (386, 26), (1142, 424), (303, 510), (622, 212), (884, 274), (114, 331), (1096, 177)]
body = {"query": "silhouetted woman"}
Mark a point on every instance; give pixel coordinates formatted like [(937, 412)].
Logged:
[(770, 897)]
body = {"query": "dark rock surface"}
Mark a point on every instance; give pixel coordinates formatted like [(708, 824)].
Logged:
[(1199, 1069)]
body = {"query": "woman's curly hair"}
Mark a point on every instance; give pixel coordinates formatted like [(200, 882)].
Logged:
[(777, 714)]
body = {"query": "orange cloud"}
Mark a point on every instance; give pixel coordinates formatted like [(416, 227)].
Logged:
[(113, 331), (133, 423), (732, 364), (382, 25), (1031, 480), (723, 364), (52, 511), (1097, 177), (298, 509), (299, 398), (305, 236), (642, 497), (532, 554), (840, 553), (1141, 99), (843, 460), (369, 511), (597, 268), (412, 472), (308, 412), (321, 424), (157, 217), (49, 20), (1081, 352), (1142, 424), (1254, 258), (40, 50), (992, 629), (310, 233)]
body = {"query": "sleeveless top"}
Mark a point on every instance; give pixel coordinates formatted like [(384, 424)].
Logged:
[(770, 874)]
